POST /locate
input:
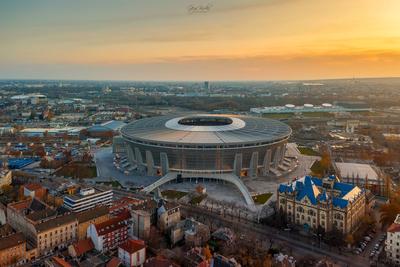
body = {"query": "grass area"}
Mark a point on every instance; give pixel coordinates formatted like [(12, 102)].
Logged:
[(197, 199), (261, 199), (112, 183), (278, 115), (78, 171), (307, 151), (317, 114), (173, 194), (317, 169)]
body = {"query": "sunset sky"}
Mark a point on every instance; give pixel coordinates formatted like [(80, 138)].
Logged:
[(234, 40)]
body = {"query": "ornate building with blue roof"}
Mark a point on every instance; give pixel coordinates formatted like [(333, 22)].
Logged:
[(326, 202)]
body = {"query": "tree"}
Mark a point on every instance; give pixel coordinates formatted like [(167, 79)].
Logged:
[(389, 213), (334, 237), (349, 240), (207, 253), (6, 188)]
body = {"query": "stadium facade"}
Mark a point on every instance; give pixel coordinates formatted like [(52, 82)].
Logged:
[(206, 144)]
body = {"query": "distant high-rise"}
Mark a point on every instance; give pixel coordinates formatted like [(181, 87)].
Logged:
[(207, 86)]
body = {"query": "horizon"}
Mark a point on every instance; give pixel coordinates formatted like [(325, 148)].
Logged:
[(198, 40), (201, 81)]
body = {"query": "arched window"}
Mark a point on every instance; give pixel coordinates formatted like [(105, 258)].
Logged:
[(300, 209)]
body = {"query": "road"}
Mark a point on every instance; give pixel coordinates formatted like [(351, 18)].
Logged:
[(268, 232)]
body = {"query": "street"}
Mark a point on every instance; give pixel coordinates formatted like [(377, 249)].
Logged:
[(266, 233)]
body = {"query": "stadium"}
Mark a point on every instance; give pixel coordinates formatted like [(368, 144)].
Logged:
[(245, 146), (206, 146)]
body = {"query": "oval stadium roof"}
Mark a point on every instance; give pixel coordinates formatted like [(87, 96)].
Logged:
[(246, 130)]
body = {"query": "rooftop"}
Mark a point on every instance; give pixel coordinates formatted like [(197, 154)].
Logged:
[(32, 186), (55, 222), (114, 262), (91, 214), (57, 261), (12, 241), (395, 227), (172, 129), (124, 202), (363, 171), (317, 190), (88, 193), (109, 226), (83, 246), (131, 246)]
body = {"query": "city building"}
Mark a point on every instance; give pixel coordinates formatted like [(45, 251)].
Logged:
[(194, 233), (327, 202), (195, 257), (141, 223), (363, 175), (34, 99), (109, 234), (306, 108), (12, 249), (168, 215), (94, 215), (221, 147), (118, 145), (80, 248), (125, 203), (42, 132), (114, 262), (160, 261), (219, 260), (87, 198), (45, 228), (34, 190), (132, 253), (5, 177), (392, 246), (56, 262)]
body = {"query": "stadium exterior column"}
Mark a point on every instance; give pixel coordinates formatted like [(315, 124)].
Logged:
[(253, 164), (267, 161), (138, 155), (131, 154), (237, 164), (277, 156), (164, 163), (149, 163)]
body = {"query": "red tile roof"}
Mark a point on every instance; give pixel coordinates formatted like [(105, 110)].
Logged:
[(124, 215), (114, 262), (21, 205), (124, 202), (394, 228), (110, 226), (131, 246), (32, 186), (83, 246), (61, 262), (159, 261)]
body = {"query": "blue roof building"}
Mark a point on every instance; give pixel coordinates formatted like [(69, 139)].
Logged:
[(325, 202)]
